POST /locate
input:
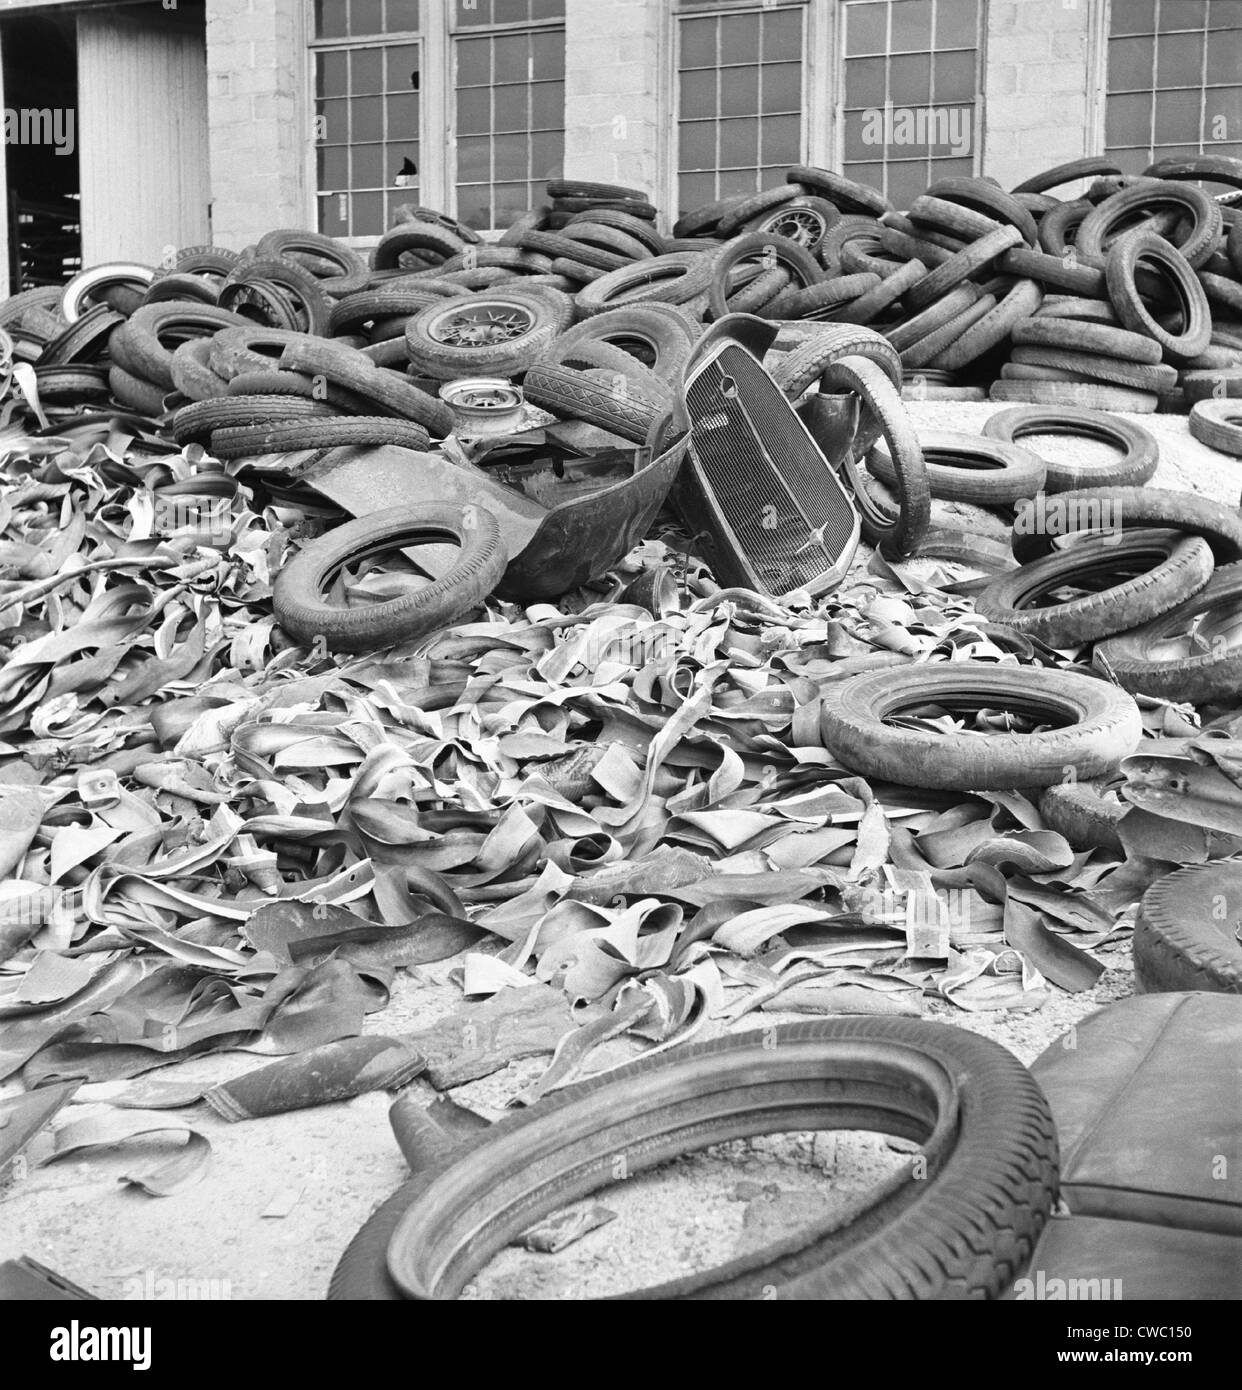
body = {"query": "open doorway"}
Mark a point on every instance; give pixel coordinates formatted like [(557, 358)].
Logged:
[(43, 193)]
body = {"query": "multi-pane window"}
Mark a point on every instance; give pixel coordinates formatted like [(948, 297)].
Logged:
[(367, 92), (1174, 79), (509, 94), (910, 109), (739, 99)]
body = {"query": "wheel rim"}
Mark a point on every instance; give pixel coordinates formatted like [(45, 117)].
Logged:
[(804, 226), (482, 325)]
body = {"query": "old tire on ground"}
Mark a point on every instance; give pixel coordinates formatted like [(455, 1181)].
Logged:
[(1218, 424), (288, 436), (302, 610), (1161, 659), (1099, 725), (595, 396), (1139, 457), (964, 1232), (1086, 813), (965, 467), (494, 333), (1127, 582), (1182, 938)]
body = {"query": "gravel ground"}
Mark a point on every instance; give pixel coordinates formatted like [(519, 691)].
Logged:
[(327, 1169)]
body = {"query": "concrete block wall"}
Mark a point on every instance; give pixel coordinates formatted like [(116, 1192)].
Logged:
[(1037, 99), (259, 133), (614, 118)]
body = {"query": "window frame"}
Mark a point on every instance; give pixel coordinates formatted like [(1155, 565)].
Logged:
[(437, 110), (1102, 35), (979, 114)]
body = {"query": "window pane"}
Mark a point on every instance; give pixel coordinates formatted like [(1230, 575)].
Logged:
[(511, 58), (739, 38), (780, 140), (782, 36), (1222, 58), (334, 121), (474, 111), (1129, 65), (864, 81), (402, 17), (1177, 117), (870, 174), (1132, 17), (957, 24), (698, 145), (1179, 60), (953, 76), (866, 28), (366, 70), (331, 74), (734, 182), (329, 19), (333, 167), (910, 80), (332, 221), (782, 87), (906, 182), (547, 9), (365, 17), (698, 94), (1127, 119), (547, 105), (698, 43), (547, 153), (952, 168), (474, 206), (402, 116), (473, 160), (695, 190), (509, 108), (403, 67), (547, 54), (1222, 117), (473, 63), (739, 91), (509, 201), (468, 12), (367, 166), (395, 156), (912, 21), (1223, 14), (368, 214), (366, 119), (1182, 14), (861, 137), (739, 143)]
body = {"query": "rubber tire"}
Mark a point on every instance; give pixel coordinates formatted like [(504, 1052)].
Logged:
[(195, 422), (136, 393), (1055, 229), (1075, 336), (664, 329), (841, 192), (965, 1233), (140, 335), (284, 437), (646, 280), (901, 534), (1061, 174), (1086, 814), (388, 393), (1020, 301), (809, 363), (1084, 280), (788, 254), (351, 313), (921, 325), (1198, 679), (1092, 366), (1184, 567), (1009, 472), (1179, 942), (192, 374), (963, 266), (989, 200), (421, 237), (274, 382), (450, 361), (824, 296), (1092, 242), (592, 397), (310, 302), (1215, 423), (1140, 452), (636, 227), (1106, 726), (1119, 270), (351, 271), (1086, 395), (237, 350), (297, 592)]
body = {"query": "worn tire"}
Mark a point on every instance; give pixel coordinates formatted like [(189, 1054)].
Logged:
[(1119, 271), (1085, 813), (297, 595), (1216, 424), (592, 396), (965, 467), (1178, 566), (1086, 395), (1104, 726), (388, 393), (1181, 940), (283, 437), (546, 317), (1140, 662), (965, 1233), (1139, 457)]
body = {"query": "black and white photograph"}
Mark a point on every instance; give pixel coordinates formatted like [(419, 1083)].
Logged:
[(620, 668)]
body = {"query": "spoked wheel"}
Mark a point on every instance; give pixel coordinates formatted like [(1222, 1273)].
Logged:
[(804, 226), (482, 324)]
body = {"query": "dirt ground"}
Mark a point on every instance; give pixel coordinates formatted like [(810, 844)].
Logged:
[(284, 1195)]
